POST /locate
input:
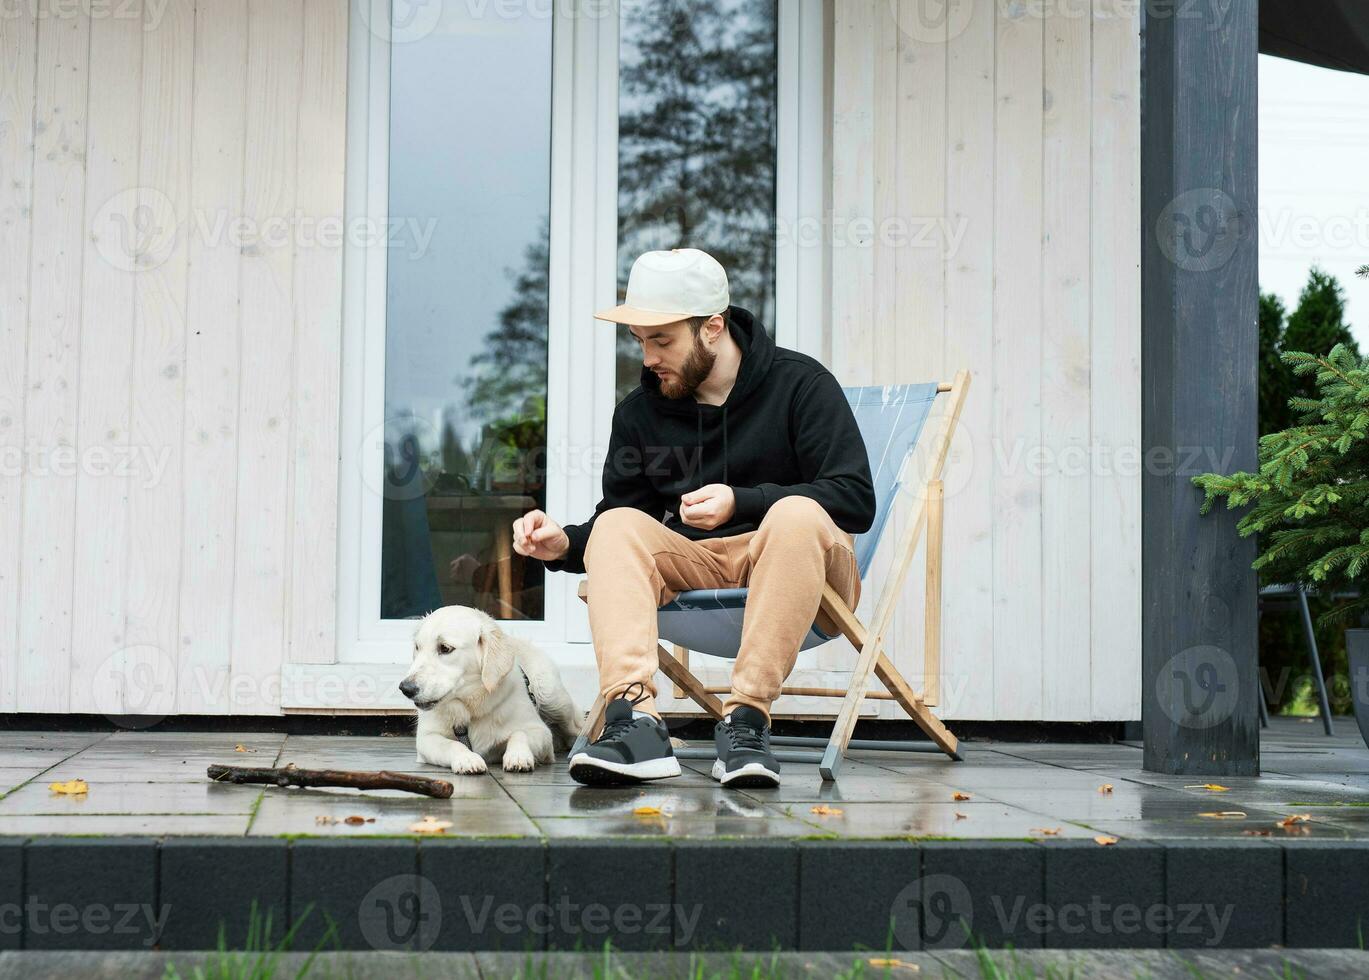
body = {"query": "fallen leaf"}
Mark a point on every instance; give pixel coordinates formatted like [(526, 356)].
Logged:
[(957, 795), (1210, 787), (881, 963), (1224, 815), (960, 816), (1105, 788), (823, 810), (242, 748), (648, 811), (1104, 841), (323, 818), (1294, 819), (430, 825), (356, 820), (72, 787), (1255, 833), (1048, 831)]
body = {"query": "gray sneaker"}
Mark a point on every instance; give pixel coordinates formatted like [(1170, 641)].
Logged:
[(628, 750), (742, 740)]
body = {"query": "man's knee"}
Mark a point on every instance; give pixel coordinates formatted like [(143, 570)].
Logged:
[(796, 511), (616, 526)]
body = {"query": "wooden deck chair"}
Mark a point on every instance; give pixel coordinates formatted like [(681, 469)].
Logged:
[(708, 621)]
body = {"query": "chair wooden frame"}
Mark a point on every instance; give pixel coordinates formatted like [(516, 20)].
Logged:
[(868, 640)]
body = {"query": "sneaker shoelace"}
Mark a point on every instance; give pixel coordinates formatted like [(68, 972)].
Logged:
[(743, 736), (615, 729)]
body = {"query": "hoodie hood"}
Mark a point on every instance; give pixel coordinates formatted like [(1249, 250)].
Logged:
[(758, 353)]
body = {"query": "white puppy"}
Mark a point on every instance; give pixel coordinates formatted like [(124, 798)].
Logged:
[(482, 694)]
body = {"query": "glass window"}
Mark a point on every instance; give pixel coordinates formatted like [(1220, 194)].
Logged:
[(696, 144), (466, 312)]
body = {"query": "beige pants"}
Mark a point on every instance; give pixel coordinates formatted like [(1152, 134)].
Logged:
[(636, 564)]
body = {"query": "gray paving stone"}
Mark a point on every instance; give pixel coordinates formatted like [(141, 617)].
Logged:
[(743, 893), (611, 890), (1104, 896), (1326, 893), (493, 893), (849, 895), (207, 885), (91, 894), (368, 891), (987, 886), (1226, 893)]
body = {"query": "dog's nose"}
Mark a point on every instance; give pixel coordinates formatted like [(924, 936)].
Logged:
[(409, 688)]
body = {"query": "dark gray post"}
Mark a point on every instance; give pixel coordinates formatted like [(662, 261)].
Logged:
[(1199, 343)]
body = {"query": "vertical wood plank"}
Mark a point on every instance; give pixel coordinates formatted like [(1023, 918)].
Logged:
[(262, 545), (1017, 363), (18, 54), (49, 492), (853, 191), (111, 254), (968, 634), (1115, 286), (156, 500), (209, 481), (1066, 381), (916, 344), (318, 335)]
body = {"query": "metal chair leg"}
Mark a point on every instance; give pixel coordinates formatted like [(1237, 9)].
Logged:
[(1315, 657)]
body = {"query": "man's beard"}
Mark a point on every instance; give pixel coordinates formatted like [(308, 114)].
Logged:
[(694, 372)]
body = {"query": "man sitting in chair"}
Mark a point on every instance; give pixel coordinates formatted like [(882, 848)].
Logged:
[(734, 463)]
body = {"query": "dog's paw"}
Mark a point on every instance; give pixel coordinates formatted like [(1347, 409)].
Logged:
[(469, 764), (518, 760)]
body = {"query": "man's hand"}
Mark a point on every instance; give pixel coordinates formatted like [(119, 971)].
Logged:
[(537, 536), (708, 507)]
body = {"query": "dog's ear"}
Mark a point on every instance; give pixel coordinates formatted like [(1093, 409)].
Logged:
[(496, 656)]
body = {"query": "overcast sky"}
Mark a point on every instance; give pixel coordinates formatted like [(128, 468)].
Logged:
[(1314, 181)]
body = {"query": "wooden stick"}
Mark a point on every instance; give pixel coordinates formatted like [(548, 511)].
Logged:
[(692, 686), (293, 776), (682, 655)]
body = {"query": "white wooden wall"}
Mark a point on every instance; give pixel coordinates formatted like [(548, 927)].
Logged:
[(984, 191), (140, 315), (1003, 139)]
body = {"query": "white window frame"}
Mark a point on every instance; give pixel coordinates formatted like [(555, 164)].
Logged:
[(582, 278)]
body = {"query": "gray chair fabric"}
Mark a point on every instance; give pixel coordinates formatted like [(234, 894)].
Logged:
[(891, 419)]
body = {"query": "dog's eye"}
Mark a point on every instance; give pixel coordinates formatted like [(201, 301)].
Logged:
[(442, 648)]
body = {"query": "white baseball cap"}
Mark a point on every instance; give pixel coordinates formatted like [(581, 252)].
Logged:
[(669, 286)]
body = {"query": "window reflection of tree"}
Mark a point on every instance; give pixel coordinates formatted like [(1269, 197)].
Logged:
[(696, 143), (504, 463)]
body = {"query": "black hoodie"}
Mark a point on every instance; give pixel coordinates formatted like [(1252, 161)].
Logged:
[(785, 428)]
